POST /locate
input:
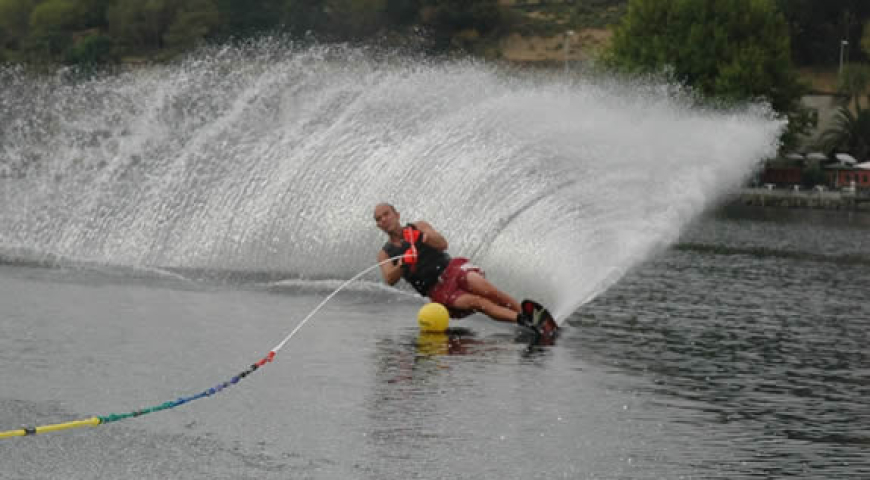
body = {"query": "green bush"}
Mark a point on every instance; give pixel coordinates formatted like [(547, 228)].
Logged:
[(812, 176), (92, 50), (730, 50)]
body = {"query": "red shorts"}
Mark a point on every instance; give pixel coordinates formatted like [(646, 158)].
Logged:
[(453, 284)]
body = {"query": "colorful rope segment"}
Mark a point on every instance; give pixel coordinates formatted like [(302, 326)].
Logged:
[(114, 417)]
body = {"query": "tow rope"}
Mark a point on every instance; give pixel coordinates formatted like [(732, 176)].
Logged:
[(114, 417)]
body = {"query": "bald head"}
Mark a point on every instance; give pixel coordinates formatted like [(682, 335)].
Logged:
[(387, 218), (385, 205)]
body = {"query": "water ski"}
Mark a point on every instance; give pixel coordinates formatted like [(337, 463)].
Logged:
[(541, 321)]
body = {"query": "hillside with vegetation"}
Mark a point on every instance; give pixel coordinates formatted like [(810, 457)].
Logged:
[(115, 31), (111, 31), (729, 50)]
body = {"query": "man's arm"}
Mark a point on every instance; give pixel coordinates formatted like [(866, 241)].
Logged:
[(391, 273), (431, 236)]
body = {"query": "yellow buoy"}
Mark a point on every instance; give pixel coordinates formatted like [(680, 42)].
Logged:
[(433, 344), (433, 317)]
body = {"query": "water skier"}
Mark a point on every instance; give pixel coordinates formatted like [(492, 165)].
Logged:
[(453, 282)]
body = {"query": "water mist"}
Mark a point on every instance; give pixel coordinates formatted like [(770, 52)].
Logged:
[(270, 157)]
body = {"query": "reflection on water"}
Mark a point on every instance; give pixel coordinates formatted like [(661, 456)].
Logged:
[(412, 360), (426, 390), (765, 347), (801, 234), (453, 342)]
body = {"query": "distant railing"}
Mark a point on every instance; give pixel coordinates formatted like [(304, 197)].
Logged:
[(819, 197)]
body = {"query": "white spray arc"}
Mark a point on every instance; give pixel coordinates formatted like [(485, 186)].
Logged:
[(270, 157)]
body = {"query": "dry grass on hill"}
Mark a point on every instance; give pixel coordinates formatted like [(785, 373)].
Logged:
[(528, 49)]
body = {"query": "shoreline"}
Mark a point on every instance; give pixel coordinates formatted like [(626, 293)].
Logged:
[(800, 199)]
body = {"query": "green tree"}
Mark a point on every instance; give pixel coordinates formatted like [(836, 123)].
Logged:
[(248, 17), (865, 39), (355, 19), (306, 15), (733, 50), (14, 24), (52, 23), (54, 15), (92, 13), (402, 12), (818, 27), (193, 21), (849, 133), (137, 25), (854, 81), (153, 25), (813, 175), (92, 50)]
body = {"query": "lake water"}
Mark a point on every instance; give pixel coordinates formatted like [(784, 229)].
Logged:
[(162, 228), (742, 352)]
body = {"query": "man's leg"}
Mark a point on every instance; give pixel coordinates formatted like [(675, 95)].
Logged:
[(477, 284), (470, 301)]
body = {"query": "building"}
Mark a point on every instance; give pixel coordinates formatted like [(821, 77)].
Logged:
[(840, 175), (782, 175)]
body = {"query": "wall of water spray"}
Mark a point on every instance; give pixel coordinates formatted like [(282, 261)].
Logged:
[(269, 157)]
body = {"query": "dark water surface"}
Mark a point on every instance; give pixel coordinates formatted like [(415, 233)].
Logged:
[(756, 328), (740, 353)]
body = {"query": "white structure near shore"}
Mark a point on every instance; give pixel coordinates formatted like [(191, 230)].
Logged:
[(846, 198)]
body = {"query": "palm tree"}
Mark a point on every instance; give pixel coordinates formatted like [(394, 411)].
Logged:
[(854, 81), (849, 133)]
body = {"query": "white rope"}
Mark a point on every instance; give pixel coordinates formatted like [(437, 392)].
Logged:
[(328, 297)]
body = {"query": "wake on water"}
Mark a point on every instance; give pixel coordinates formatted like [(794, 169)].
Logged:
[(269, 157)]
